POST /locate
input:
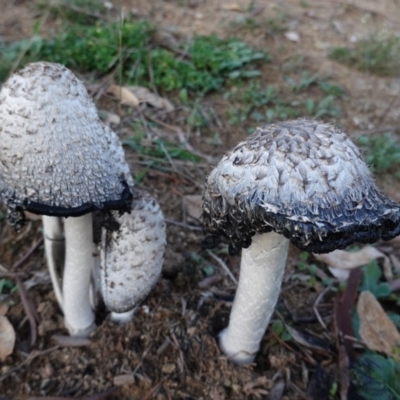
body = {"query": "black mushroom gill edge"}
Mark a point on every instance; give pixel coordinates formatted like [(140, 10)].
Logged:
[(236, 230), (16, 217)]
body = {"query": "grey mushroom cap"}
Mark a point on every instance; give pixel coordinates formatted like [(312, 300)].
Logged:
[(56, 157), (303, 179)]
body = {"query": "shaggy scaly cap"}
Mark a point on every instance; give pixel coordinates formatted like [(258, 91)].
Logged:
[(132, 254), (56, 156), (303, 179)]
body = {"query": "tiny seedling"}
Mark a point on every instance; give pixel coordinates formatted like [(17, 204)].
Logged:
[(333, 391), (279, 328), (7, 286)]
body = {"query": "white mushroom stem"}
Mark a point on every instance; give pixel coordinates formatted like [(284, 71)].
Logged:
[(54, 245), (79, 316), (261, 273)]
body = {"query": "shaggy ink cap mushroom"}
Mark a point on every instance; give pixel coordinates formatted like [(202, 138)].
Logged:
[(57, 157), (300, 181), (59, 160), (303, 179), (132, 253)]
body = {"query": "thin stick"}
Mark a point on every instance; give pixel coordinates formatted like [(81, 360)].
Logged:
[(183, 225), (27, 255), (224, 266), (30, 310), (315, 309)]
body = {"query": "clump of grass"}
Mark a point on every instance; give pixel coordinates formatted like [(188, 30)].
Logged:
[(377, 55), (381, 152), (209, 64), (269, 104), (76, 11)]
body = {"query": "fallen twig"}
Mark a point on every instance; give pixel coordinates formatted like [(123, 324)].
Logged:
[(315, 307), (224, 266)]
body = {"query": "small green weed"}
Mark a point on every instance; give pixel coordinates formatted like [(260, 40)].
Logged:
[(381, 152), (375, 376), (7, 286), (211, 61), (268, 104), (371, 280), (279, 328), (377, 54), (159, 148)]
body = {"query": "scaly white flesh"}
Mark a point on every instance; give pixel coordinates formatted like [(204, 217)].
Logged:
[(79, 316), (132, 256), (261, 273), (54, 245)]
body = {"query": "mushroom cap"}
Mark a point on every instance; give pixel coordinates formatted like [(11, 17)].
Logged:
[(303, 179), (132, 253), (56, 156)]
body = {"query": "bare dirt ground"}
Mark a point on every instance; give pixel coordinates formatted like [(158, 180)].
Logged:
[(170, 349)]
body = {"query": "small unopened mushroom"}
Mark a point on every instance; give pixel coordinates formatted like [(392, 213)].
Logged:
[(58, 159), (300, 181), (132, 254)]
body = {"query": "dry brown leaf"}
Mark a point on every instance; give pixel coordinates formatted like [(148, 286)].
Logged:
[(145, 96), (7, 337), (123, 94), (376, 329), (345, 260), (192, 206)]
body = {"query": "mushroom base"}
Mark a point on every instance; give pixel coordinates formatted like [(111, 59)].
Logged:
[(261, 273)]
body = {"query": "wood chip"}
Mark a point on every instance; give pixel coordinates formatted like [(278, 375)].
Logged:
[(125, 379)]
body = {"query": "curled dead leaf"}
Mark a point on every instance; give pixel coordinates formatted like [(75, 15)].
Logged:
[(376, 329), (342, 260), (124, 95), (7, 337), (145, 96)]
